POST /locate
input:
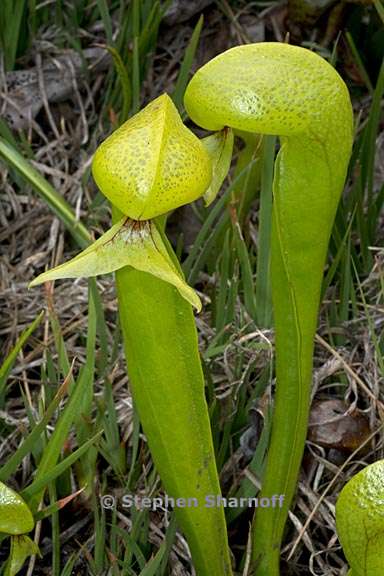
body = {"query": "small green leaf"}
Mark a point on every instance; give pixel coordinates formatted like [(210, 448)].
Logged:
[(219, 147), (127, 243), (21, 548), (360, 521), (15, 516)]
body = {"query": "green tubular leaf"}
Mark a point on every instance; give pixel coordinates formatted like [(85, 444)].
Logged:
[(219, 147), (272, 88), (127, 243), (15, 516), (168, 389), (360, 521), (153, 163), (167, 385)]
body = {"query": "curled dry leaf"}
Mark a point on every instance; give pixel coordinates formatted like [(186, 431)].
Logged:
[(333, 425)]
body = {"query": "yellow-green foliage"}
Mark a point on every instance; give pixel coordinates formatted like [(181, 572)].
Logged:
[(273, 88)]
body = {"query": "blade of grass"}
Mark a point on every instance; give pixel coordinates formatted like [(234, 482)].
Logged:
[(55, 506), (60, 433), (243, 256), (368, 152), (247, 488), (192, 263), (151, 569), (112, 448), (225, 273), (100, 540), (123, 76), (185, 68), (63, 360), (263, 285), (83, 426), (27, 445), (48, 474), (136, 57), (57, 204), (106, 18), (380, 9), (359, 62), (9, 361), (247, 188), (55, 529), (337, 259), (11, 15), (131, 544), (169, 540)]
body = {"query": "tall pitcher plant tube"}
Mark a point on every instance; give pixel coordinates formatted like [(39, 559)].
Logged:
[(150, 165), (283, 90)]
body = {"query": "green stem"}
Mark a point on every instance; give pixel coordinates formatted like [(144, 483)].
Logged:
[(167, 386)]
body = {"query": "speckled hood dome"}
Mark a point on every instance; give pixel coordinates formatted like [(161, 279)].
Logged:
[(271, 88), (152, 164)]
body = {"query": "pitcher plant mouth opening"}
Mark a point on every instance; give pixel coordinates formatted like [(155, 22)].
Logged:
[(133, 227)]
